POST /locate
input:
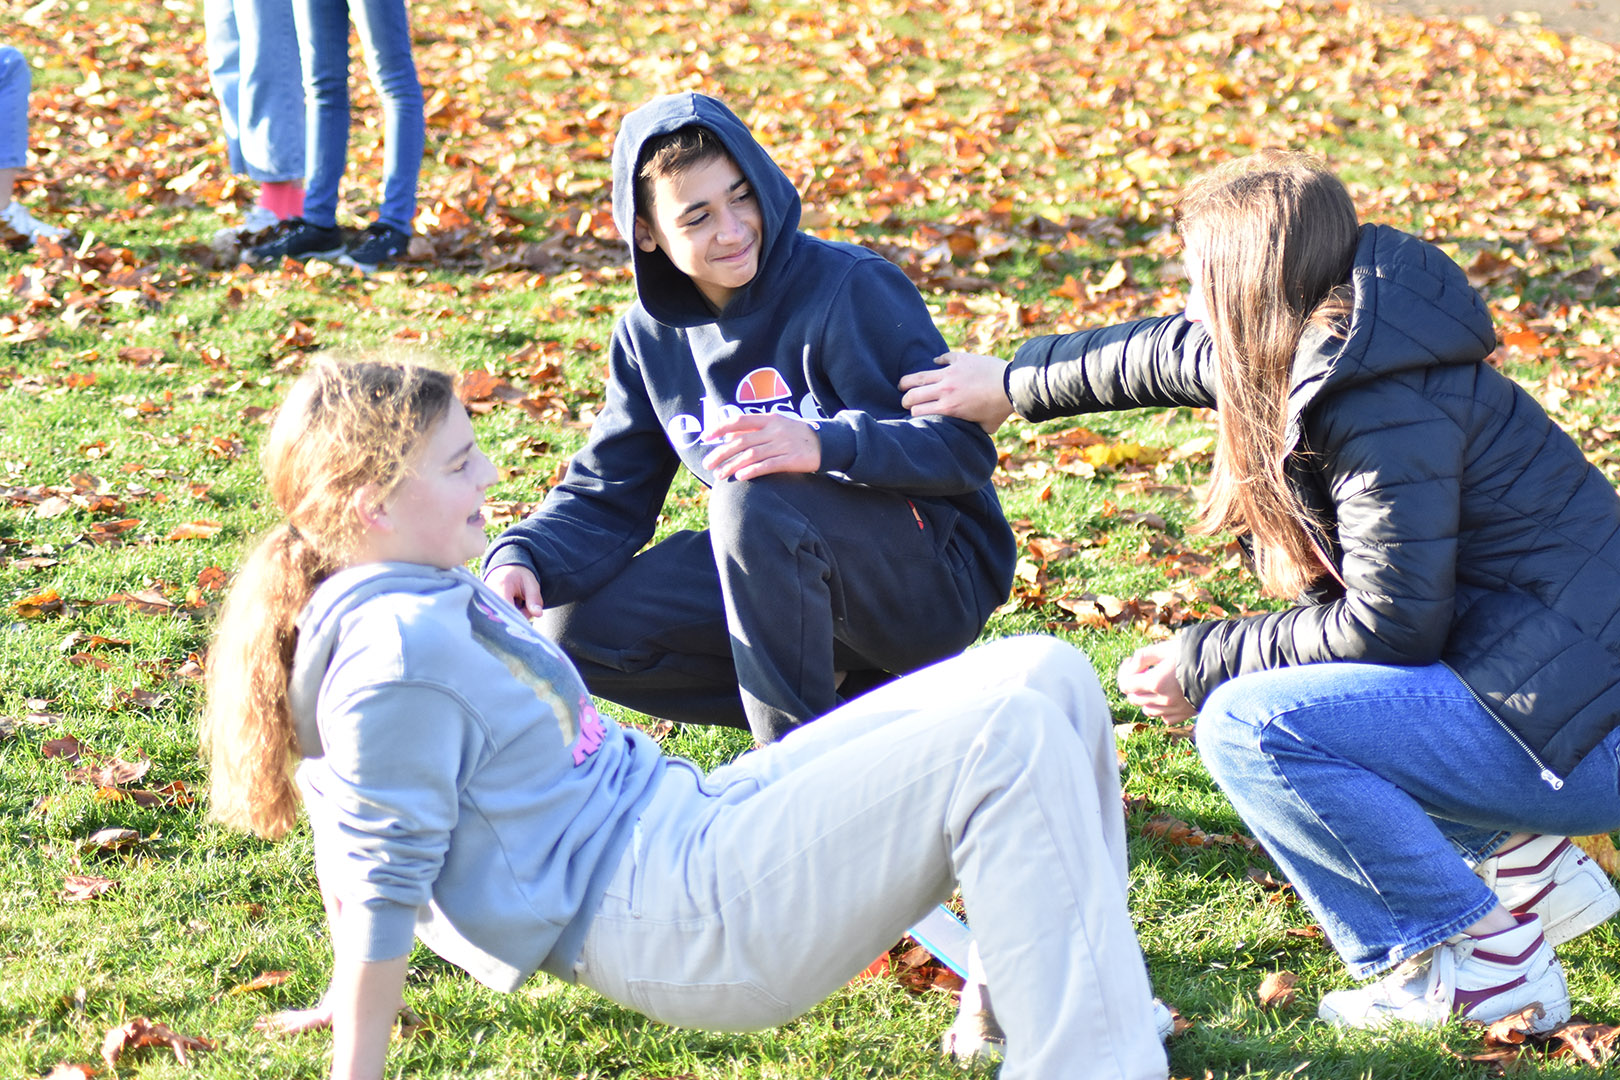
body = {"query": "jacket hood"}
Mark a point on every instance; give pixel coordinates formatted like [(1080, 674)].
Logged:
[(321, 622), (666, 293), (1412, 308)]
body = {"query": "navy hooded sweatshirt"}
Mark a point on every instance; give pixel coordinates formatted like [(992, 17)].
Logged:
[(824, 331)]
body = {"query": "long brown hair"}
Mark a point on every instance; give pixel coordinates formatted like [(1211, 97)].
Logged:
[(1272, 237), (344, 425)]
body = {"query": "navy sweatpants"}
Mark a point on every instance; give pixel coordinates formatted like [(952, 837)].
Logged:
[(796, 578)]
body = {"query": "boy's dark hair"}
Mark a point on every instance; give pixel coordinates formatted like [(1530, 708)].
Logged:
[(671, 154)]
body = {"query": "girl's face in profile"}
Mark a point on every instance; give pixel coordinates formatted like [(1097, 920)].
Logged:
[(1197, 308), (433, 516)]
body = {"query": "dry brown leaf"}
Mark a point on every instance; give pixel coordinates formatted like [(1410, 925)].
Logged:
[(1278, 990), (65, 1071), (1601, 848), (86, 886), (195, 530), (140, 1033), (263, 981)]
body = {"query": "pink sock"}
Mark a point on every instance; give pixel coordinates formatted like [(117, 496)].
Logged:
[(283, 198)]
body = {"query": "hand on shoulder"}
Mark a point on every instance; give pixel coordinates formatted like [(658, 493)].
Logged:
[(966, 385)]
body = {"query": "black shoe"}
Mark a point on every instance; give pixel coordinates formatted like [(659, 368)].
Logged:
[(298, 239), (381, 245)]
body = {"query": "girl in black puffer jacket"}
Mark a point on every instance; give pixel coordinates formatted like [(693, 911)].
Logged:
[(1413, 739)]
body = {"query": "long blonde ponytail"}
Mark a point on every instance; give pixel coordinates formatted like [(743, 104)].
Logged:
[(343, 425)]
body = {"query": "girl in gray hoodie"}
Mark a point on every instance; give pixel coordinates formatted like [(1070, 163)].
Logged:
[(462, 788)]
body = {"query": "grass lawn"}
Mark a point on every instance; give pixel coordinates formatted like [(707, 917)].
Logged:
[(1019, 160)]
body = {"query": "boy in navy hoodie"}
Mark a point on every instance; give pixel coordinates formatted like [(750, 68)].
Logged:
[(847, 538)]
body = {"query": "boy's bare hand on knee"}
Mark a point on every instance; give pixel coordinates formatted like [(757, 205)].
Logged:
[(519, 585), (967, 386), (1147, 678), (759, 444)]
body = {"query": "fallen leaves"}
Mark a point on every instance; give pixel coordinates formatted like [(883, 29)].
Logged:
[(1278, 990), (1508, 1043), (141, 1034)]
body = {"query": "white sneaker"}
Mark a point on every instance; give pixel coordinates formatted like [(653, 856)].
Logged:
[(17, 218), (256, 220), (1483, 978), (1550, 877)]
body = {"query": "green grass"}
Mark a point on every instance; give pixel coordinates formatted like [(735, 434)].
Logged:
[(1046, 139)]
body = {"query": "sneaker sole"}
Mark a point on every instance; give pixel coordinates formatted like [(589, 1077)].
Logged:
[(305, 256)]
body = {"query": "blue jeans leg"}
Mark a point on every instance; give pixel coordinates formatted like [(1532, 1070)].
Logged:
[(225, 72), (323, 39), (15, 80), (1363, 781), (385, 35), (270, 97)]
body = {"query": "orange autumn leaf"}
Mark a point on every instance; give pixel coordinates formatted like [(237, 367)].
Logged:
[(1601, 848), (195, 530), (1278, 990), (141, 1033)]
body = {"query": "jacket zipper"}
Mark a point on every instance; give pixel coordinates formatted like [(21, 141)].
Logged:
[(1548, 777)]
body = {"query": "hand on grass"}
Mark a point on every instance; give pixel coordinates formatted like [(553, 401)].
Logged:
[(519, 585), (296, 1021), (759, 444), (967, 386), (1147, 678)]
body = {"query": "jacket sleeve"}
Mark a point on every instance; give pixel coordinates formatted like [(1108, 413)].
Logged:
[(1151, 362), (877, 331), (385, 803), (607, 505), (1392, 463)]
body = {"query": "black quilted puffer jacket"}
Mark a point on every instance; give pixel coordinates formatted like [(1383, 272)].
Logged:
[(1465, 527)]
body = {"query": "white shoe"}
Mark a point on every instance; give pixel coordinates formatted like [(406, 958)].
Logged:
[(1164, 1021), (1550, 877), (1484, 978), (17, 218), (256, 220)]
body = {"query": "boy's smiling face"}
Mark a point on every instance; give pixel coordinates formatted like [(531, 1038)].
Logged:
[(708, 222)]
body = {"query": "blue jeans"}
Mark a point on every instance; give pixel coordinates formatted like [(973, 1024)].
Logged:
[(1374, 787), (15, 81), (254, 67), (385, 36)]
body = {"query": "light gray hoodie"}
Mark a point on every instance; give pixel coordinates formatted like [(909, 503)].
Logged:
[(459, 782)]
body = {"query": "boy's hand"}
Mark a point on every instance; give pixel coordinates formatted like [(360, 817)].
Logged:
[(759, 444), (967, 386), (519, 585), (1147, 678)]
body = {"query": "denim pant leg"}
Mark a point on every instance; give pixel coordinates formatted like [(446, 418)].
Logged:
[(323, 45), (385, 35), (270, 94), (15, 81), (819, 575), (224, 47), (750, 895), (1355, 777)]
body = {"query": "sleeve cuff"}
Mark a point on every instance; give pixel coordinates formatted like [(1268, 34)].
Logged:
[(837, 446)]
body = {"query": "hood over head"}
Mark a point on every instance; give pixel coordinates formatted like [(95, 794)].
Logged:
[(667, 294), (1412, 307)]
